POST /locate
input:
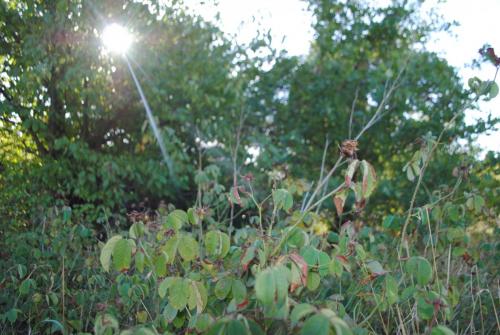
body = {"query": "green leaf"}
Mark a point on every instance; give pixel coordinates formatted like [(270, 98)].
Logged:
[(188, 248), (300, 311), (282, 199), (105, 322), (22, 270), (316, 325), (420, 269), (313, 281), (442, 330), (141, 316), (122, 255), (360, 252), (408, 292), (340, 326), (282, 277), (425, 310), (11, 315), (223, 287), (254, 327), (138, 331), (176, 219), (265, 286), (310, 255), (24, 288), (170, 248), (474, 83), (375, 268), (106, 252), (235, 327), (192, 216), (478, 203), (369, 179), (455, 234), (323, 263), (139, 262), (297, 238), (178, 293), (164, 286), (409, 173), (335, 267), (391, 289), (493, 90), (239, 291), (454, 213), (203, 322), (387, 224), (56, 325), (136, 230), (197, 296), (160, 264), (217, 243)]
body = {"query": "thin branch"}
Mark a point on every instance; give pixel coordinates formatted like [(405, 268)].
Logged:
[(387, 94), (424, 167), (419, 181), (327, 143), (352, 110), (235, 163)]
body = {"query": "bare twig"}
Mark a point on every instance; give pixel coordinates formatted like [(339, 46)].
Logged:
[(420, 178), (327, 143), (352, 110), (388, 92), (426, 163), (234, 157)]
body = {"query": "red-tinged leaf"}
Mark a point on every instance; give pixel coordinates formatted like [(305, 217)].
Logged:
[(339, 201), (342, 258), (247, 258), (236, 195), (368, 279), (242, 304), (302, 265), (369, 179), (351, 169), (293, 287), (360, 205)]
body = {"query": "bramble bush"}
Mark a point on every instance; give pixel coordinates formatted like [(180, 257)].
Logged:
[(282, 269)]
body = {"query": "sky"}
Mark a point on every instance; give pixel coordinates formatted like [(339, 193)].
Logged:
[(290, 25)]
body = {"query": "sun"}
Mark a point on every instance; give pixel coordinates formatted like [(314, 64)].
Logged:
[(116, 38)]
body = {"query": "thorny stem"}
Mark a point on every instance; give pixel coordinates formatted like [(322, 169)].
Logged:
[(235, 165), (375, 118), (352, 110), (327, 143), (419, 182), (318, 187), (426, 163)]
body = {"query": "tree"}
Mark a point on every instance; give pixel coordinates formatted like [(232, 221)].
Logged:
[(76, 110), (358, 55)]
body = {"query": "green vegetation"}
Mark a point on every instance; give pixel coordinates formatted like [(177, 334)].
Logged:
[(362, 214)]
